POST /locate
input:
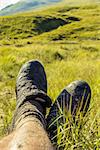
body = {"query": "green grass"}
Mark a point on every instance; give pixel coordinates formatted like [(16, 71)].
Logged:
[(69, 48)]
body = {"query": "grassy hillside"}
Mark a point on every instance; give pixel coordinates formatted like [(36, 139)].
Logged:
[(66, 38), (25, 5)]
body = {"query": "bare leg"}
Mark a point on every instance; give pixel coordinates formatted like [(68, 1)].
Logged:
[(31, 135)]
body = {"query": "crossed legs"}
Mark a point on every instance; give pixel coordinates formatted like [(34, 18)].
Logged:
[(29, 124)]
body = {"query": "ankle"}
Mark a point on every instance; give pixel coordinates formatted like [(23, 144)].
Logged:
[(27, 111)]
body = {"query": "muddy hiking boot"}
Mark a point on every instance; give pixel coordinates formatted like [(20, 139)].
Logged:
[(75, 98), (31, 93)]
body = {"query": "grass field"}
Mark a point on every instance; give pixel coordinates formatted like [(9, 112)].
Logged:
[(66, 39)]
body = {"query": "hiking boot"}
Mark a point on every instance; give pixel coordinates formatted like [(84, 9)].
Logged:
[(75, 97), (31, 89)]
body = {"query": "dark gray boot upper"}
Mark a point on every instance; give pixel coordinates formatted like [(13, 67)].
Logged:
[(32, 82), (76, 96), (31, 92)]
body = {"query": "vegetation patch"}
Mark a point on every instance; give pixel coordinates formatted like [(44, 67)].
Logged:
[(48, 24), (66, 39)]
